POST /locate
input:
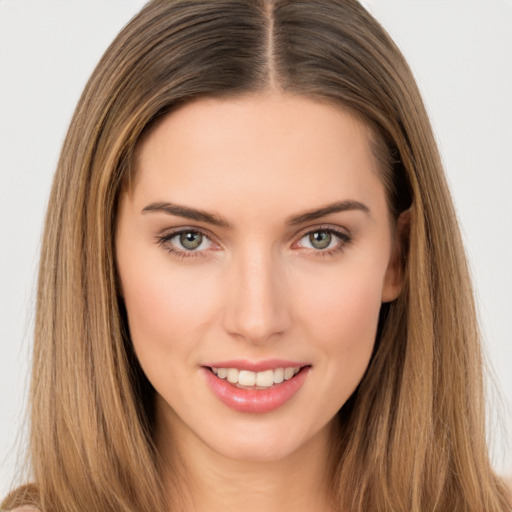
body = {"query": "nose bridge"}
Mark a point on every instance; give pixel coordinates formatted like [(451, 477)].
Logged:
[(257, 308)]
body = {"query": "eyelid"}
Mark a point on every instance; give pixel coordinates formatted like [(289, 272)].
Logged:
[(337, 230), (166, 235), (342, 234)]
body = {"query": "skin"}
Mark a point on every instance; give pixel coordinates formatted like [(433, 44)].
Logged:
[(256, 289)]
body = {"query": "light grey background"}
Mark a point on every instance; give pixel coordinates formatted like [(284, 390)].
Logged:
[(461, 54)]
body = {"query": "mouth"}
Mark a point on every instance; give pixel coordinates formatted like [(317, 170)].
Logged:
[(247, 379), (262, 389)]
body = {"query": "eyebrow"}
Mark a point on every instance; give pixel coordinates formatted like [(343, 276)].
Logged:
[(216, 220), (187, 213), (340, 206)]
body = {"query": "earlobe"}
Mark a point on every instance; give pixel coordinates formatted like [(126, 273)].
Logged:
[(394, 277)]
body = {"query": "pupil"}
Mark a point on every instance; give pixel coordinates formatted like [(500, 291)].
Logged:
[(320, 239), (191, 240)]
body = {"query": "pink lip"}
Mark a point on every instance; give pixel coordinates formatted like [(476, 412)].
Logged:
[(254, 400), (261, 366)]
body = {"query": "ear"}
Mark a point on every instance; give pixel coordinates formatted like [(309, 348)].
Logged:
[(394, 277)]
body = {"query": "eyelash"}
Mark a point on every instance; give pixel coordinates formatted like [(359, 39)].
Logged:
[(162, 240), (343, 240)]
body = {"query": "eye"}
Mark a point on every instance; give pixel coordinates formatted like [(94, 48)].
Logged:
[(186, 242), (320, 239), (190, 240), (324, 240)]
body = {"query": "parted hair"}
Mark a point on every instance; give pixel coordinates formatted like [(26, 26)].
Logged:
[(412, 436)]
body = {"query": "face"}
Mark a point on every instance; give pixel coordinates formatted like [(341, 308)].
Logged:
[(254, 252)]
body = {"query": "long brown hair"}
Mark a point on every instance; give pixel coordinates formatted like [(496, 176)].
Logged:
[(412, 436)]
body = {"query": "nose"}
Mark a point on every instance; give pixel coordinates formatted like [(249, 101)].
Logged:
[(257, 308)]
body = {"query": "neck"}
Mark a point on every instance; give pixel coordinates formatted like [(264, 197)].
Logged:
[(207, 480)]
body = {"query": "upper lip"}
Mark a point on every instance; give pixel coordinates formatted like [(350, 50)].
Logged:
[(257, 366)]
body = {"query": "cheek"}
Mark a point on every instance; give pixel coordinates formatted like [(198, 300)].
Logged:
[(166, 309), (349, 328), (345, 308), (341, 317)]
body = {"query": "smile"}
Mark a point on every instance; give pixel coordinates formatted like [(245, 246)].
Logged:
[(252, 391), (255, 380)]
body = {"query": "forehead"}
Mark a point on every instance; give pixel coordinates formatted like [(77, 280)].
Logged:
[(264, 148)]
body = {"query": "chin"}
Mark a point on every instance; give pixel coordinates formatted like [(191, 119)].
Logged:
[(267, 443)]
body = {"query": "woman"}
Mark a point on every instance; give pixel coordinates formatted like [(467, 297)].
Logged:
[(252, 289)]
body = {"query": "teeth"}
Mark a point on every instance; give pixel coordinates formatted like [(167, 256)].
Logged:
[(232, 375), (289, 373), (265, 379), (246, 378), (278, 375)]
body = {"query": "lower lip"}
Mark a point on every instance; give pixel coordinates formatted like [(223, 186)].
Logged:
[(255, 400)]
